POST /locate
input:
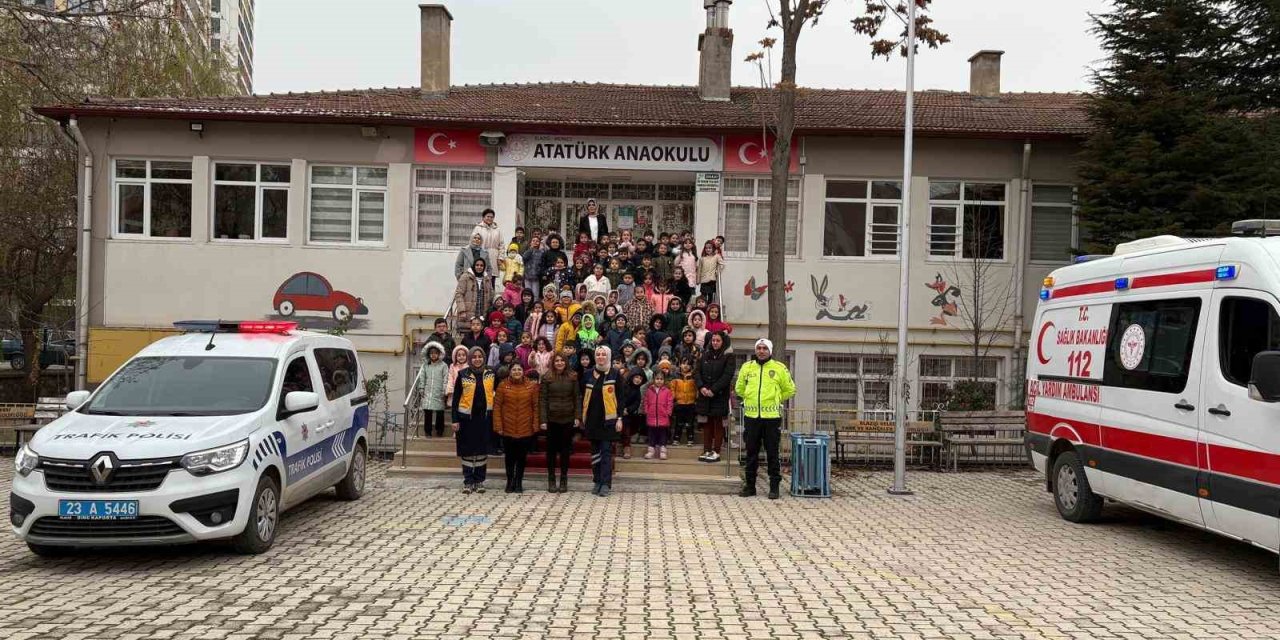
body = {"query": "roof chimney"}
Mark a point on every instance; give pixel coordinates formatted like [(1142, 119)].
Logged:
[(436, 22), (716, 45), (984, 73)]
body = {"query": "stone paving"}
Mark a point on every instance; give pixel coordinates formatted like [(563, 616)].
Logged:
[(971, 555)]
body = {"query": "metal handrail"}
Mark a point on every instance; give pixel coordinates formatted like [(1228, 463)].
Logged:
[(412, 391)]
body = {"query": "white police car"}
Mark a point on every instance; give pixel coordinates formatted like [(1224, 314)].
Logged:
[(206, 435)]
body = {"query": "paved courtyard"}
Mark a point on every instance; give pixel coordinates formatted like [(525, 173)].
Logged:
[(972, 555)]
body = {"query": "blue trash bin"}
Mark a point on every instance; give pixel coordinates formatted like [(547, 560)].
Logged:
[(811, 465)]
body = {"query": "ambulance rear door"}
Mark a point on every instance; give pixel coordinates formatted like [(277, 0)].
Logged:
[(1066, 363)]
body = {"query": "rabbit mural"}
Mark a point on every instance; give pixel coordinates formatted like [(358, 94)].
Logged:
[(844, 312)]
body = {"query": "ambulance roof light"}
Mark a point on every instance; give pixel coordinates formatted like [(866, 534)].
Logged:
[(1226, 272), (1086, 258), (1122, 284), (1255, 228), (1044, 294)]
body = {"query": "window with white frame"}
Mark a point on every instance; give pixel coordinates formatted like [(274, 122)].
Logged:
[(152, 198), (251, 200), (745, 222), (938, 374), (1053, 222), (966, 219), (448, 203), (852, 386), (861, 218), (348, 204)]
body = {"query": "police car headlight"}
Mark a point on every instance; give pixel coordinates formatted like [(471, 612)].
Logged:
[(203, 463), (26, 461)]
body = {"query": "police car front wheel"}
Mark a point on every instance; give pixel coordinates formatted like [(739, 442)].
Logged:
[(264, 514), (352, 486)]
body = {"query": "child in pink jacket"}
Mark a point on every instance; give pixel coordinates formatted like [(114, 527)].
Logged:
[(658, 402)]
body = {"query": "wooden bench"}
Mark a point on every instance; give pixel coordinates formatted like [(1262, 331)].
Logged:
[(921, 437), (18, 420), (1001, 429)]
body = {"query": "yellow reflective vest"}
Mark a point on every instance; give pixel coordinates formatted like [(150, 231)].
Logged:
[(764, 388)]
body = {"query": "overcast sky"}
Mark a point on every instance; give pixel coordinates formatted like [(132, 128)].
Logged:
[(308, 45)]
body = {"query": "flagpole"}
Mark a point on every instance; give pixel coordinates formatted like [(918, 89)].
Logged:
[(904, 262)]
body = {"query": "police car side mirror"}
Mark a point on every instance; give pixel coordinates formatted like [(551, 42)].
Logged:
[(75, 399), (1264, 379), (296, 402)]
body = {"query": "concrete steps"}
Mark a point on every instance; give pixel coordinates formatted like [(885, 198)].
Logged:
[(434, 458)]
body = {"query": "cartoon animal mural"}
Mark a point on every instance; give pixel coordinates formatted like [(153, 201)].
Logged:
[(755, 293), (310, 291), (846, 311), (947, 301)]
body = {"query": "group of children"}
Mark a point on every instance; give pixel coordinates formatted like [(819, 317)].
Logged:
[(650, 300)]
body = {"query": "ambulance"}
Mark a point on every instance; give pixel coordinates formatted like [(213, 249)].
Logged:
[(206, 435), (1153, 379)]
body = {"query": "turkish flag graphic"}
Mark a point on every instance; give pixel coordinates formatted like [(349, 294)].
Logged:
[(448, 146), (751, 154)]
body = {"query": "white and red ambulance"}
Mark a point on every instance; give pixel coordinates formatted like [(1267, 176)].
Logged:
[(1153, 379)]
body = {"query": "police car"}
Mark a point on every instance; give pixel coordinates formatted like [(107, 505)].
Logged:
[(1154, 380), (206, 435)]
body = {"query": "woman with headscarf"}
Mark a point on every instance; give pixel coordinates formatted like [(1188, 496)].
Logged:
[(473, 399), (473, 294), (714, 380), (559, 403), (600, 418), (515, 418)]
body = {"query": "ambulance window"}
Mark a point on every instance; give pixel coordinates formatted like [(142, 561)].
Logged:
[(1246, 326), (1150, 343), (297, 377)]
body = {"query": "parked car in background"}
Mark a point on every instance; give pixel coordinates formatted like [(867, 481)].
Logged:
[(55, 351)]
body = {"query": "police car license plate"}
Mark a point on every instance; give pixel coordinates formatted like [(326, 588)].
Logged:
[(98, 509)]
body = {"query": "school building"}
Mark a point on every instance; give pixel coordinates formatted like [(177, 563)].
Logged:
[(352, 205)]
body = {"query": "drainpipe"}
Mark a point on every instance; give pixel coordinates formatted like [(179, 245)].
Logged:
[(82, 256), (1019, 272)]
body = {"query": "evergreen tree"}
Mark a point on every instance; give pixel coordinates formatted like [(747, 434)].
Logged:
[(1178, 146)]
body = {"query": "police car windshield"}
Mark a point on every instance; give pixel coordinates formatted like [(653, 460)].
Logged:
[(185, 386)]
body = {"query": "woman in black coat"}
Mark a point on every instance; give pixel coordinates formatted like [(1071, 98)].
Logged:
[(714, 381), (555, 249)]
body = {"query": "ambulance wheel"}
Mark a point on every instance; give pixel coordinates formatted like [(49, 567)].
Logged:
[(48, 550), (352, 486), (264, 516), (286, 308), (1076, 502), (342, 313)]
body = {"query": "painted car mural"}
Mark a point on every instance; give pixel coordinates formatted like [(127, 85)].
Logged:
[(309, 291)]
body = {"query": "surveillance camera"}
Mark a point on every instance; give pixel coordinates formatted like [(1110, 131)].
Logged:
[(492, 138)]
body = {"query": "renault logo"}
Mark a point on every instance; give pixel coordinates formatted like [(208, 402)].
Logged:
[(101, 469)]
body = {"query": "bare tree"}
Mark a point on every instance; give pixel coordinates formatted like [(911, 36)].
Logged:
[(791, 16), (983, 309), (122, 48)]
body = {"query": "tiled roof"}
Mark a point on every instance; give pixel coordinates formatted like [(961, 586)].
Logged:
[(612, 106)]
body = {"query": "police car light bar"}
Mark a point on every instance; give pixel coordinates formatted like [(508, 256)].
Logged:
[(248, 326), (267, 326)]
